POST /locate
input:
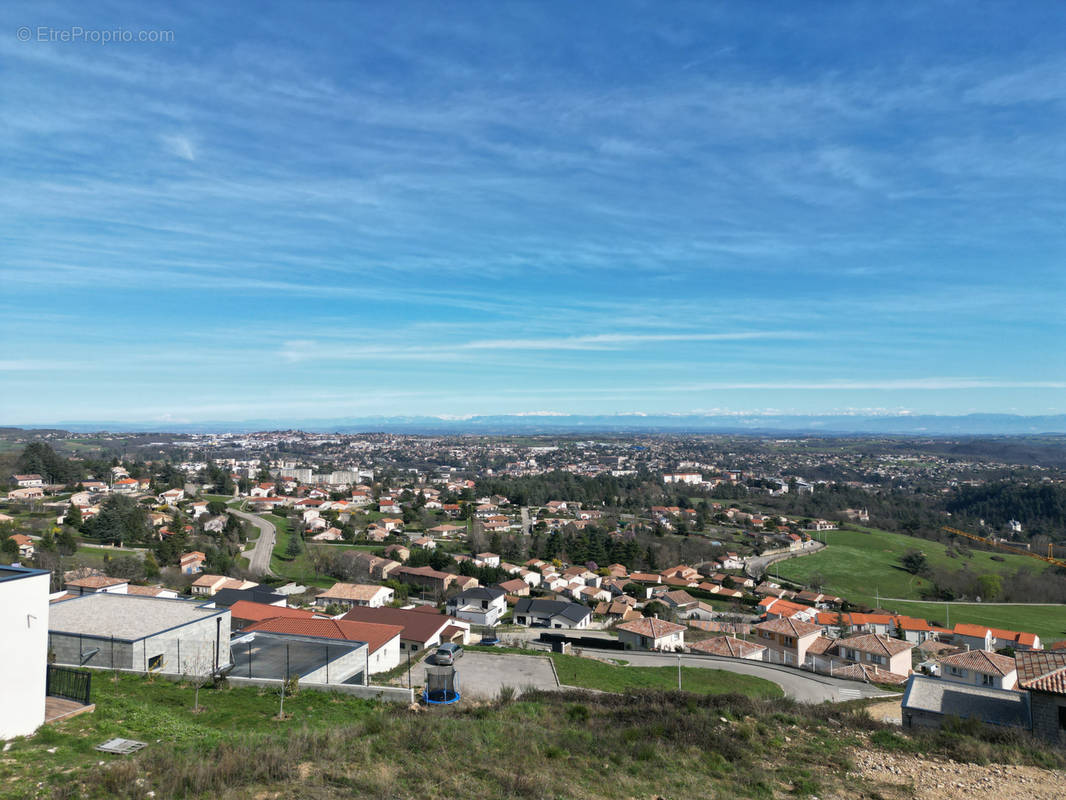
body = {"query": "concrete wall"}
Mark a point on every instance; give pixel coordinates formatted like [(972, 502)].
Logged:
[(388, 694), (24, 632), (1045, 709), (188, 650), (338, 671)]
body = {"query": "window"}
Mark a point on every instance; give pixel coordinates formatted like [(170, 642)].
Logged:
[(959, 673), (986, 680), (1062, 718), (156, 662)]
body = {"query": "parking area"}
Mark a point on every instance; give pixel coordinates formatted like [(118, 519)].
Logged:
[(481, 675)]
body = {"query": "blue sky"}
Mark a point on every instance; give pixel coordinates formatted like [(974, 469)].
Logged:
[(311, 210)]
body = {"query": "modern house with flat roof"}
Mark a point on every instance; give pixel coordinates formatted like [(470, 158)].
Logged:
[(121, 631), (24, 632)]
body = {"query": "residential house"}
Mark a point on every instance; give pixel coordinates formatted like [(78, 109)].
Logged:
[(650, 633), (423, 626), (382, 641), (172, 496), (348, 595), (1018, 640), (427, 578), (24, 631), (377, 567), (397, 552), (787, 639), (515, 587), (93, 584), (775, 608), (976, 637), (27, 481), (538, 613), (24, 544), (1043, 677), (480, 606), (246, 612), (488, 559), (208, 585), (980, 668), (191, 563), (882, 652), (730, 647), (927, 702)]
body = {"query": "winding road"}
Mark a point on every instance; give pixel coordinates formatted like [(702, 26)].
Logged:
[(259, 556)]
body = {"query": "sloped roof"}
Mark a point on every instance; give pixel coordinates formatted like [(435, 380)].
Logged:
[(727, 646), (375, 635), (994, 706), (789, 627), (872, 643), (358, 592), (1042, 670), (419, 624), (651, 627), (981, 661)]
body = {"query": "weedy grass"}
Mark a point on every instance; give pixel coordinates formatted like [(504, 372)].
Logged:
[(536, 745)]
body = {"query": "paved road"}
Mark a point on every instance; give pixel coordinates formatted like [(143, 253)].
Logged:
[(801, 686), (259, 557), (482, 675), (756, 566)]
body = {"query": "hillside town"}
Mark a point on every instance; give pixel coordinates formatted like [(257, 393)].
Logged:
[(355, 564)]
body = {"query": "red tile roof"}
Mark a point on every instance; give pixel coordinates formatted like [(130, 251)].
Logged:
[(981, 661), (651, 627), (375, 635), (1042, 670), (257, 612)]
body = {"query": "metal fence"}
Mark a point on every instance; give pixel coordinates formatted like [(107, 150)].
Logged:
[(71, 684)]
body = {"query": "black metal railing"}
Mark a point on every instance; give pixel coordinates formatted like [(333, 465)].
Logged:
[(72, 684)]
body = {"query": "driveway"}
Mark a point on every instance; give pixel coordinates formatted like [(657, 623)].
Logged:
[(259, 556), (481, 675), (801, 686)]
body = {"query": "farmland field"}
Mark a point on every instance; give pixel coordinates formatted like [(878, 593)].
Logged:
[(864, 564)]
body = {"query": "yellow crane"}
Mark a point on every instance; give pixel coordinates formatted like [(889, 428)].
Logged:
[(1058, 562)]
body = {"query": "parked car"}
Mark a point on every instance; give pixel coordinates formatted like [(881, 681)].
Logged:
[(447, 653)]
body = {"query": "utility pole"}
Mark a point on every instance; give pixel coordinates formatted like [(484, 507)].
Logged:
[(679, 672)]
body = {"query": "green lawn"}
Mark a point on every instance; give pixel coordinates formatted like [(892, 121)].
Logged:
[(589, 673), (863, 564), (160, 712), (297, 569), (1049, 621)]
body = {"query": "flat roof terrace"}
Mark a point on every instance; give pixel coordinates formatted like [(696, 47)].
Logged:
[(125, 617)]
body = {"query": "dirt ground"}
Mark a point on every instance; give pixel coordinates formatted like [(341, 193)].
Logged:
[(889, 711), (931, 779)]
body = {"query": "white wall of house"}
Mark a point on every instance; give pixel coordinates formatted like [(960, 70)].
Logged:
[(971, 677), (24, 632), (386, 657)]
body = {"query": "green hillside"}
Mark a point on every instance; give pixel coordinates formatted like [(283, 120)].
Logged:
[(862, 564)]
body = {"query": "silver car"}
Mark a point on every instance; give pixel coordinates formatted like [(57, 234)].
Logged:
[(447, 653)]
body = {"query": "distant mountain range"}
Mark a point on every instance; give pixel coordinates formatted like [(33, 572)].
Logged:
[(902, 425)]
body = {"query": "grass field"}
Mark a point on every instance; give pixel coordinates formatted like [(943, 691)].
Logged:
[(864, 564), (591, 674), (297, 569)]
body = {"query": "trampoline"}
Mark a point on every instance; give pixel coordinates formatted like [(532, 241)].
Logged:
[(442, 686)]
